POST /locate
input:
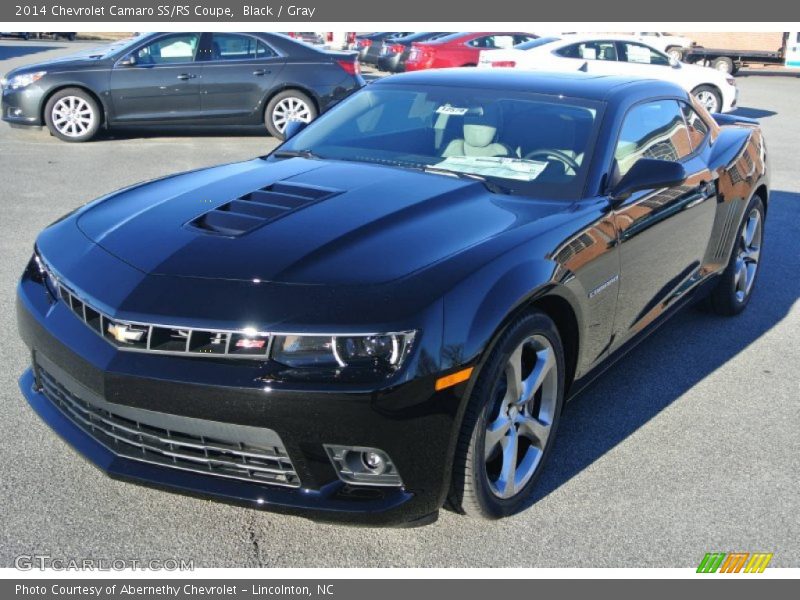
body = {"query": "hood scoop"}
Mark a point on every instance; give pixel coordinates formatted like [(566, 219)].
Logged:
[(257, 208)]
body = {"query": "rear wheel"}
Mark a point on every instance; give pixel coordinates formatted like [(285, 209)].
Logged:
[(735, 287), (675, 52), (511, 420), (723, 64), (289, 105), (709, 97), (72, 115)]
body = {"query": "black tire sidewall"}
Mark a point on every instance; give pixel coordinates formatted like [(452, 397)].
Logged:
[(273, 131), (533, 323), (48, 114), (708, 88), (723, 297)]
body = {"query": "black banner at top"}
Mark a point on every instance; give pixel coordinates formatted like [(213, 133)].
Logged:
[(362, 11)]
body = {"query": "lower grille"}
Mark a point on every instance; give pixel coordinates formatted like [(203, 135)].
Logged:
[(146, 443)]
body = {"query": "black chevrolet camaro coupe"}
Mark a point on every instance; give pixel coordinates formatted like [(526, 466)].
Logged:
[(207, 79), (387, 313)]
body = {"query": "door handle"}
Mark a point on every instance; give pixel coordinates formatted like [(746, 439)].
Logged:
[(185, 76), (260, 72)]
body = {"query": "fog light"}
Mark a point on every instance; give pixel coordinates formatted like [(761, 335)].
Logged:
[(17, 112), (373, 461), (363, 466)]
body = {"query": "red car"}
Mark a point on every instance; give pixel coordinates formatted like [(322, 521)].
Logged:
[(460, 49)]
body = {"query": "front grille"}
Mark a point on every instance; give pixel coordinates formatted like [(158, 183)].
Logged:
[(147, 443), (260, 207), (164, 339)]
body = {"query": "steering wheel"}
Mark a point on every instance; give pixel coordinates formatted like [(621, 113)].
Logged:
[(557, 154)]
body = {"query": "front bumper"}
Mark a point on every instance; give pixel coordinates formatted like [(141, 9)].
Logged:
[(411, 422), (22, 106)]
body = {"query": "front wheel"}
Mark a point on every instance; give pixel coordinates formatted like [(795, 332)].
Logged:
[(510, 421), (290, 105), (72, 115), (709, 97), (735, 287)]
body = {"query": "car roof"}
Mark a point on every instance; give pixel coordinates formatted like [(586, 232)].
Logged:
[(572, 38), (576, 84)]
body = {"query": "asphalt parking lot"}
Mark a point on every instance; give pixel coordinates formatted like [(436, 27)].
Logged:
[(690, 445)]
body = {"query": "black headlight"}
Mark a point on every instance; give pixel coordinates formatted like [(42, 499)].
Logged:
[(385, 350)]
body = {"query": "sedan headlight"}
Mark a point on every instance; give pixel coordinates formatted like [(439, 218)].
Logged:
[(24, 80), (383, 351)]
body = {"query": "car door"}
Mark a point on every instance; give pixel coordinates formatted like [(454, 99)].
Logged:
[(663, 234), (238, 71), (158, 81), (643, 61)]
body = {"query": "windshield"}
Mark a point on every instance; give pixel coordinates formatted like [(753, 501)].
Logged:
[(524, 143)]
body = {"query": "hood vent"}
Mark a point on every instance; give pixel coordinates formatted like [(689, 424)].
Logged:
[(260, 207)]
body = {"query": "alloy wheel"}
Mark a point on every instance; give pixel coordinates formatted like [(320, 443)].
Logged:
[(290, 109), (72, 116), (522, 415), (708, 100), (749, 252)]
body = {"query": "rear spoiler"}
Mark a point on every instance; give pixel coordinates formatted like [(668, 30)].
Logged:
[(723, 120)]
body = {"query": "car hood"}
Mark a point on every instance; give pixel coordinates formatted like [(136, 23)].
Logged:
[(65, 63), (373, 224)]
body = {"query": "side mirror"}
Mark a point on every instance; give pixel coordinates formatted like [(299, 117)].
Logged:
[(648, 174), (674, 63), (128, 61), (293, 128)]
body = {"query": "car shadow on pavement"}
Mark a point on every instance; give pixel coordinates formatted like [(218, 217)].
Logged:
[(153, 132), (754, 113), (13, 51), (689, 347)]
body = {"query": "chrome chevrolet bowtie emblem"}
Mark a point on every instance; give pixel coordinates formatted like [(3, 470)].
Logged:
[(124, 334)]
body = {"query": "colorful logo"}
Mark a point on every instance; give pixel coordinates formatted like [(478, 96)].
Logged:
[(734, 562)]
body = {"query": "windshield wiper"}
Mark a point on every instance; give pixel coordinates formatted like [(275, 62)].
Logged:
[(493, 187), (295, 154)]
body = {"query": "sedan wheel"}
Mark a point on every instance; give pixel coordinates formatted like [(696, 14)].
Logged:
[(522, 418), (708, 97), (72, 116), (288, 106)]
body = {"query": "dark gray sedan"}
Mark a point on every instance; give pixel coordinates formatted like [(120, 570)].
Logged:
[(205, 79)]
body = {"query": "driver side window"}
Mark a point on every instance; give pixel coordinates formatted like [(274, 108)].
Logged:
[(170, 49), (652, 130)]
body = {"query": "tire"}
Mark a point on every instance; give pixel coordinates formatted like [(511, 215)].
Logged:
[(675, 52), (723, 64), (72, 115), (733, 291), (286, 106), (709, 97), (481, 485)]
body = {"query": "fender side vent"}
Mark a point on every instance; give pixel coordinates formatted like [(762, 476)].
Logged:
[(257, 208), (723, 246)]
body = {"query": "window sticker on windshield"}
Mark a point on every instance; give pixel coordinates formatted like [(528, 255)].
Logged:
[(449, 109), (495, 166)]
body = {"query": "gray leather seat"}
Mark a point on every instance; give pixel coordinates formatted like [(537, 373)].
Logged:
[(480, 133)]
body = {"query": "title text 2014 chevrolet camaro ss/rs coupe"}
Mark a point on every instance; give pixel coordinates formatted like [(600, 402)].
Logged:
[(387, 313)]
